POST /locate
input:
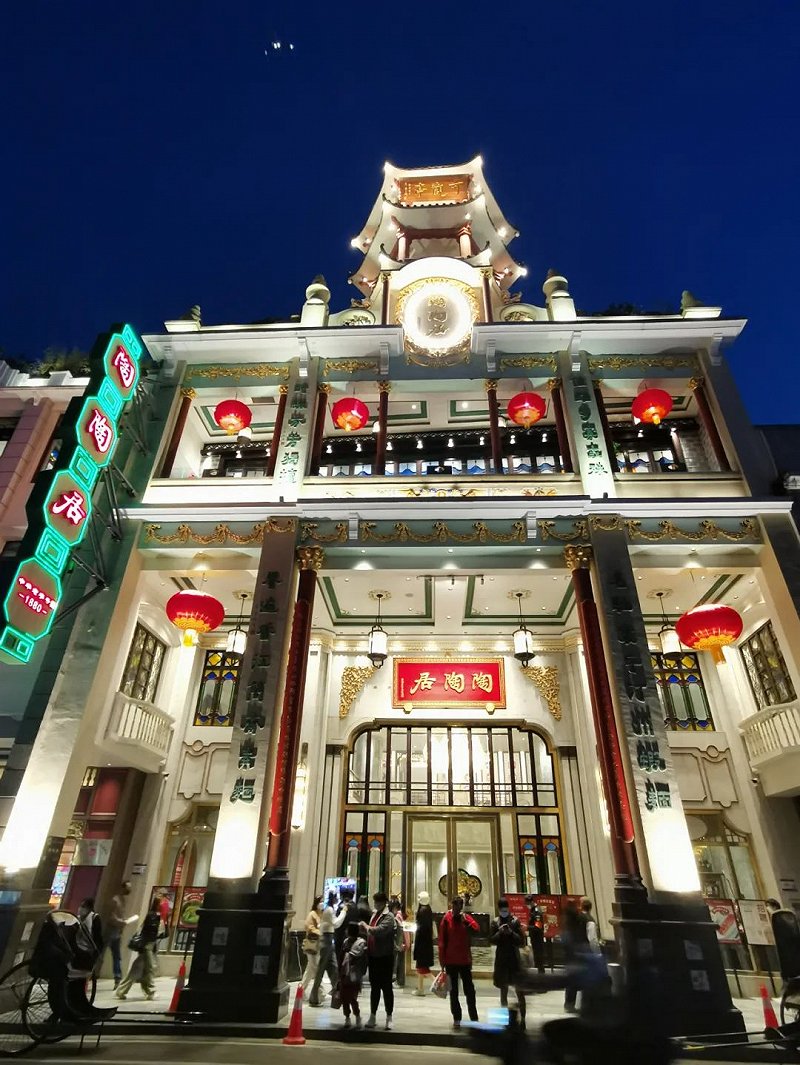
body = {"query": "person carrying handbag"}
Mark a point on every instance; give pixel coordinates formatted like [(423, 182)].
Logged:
[(310, 945), (144, 944)]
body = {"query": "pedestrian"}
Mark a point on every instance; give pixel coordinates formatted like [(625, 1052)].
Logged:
[(455, 954), (399, 944), (346, 914), (536, 933), (363, 910), (88, 943), (380, 934), (592, 930), (352, 971), (146, 938), (506, 933), (327, 950), (423, 941), (310, 944), (575, 942), (116, 925), (786, 932)]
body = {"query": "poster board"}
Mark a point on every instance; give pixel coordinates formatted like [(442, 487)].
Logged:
[(723, 914), (519, 908), (190, 904), (550, 905), (756, 922)]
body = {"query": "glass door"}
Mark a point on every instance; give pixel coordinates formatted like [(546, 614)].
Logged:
[(453, 855)]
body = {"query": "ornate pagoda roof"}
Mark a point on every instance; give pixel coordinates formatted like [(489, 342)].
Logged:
[(427, 204)]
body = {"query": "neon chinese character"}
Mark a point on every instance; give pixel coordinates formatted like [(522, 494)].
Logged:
[(72, 505), (454, 681), (424, 682), (482, 681), (100, 429), (125, 367)]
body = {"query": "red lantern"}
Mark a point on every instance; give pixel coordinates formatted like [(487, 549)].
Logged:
[(349, 414), (526, 408), (709, 628), (194, 612), (652, 405), (232, 415)]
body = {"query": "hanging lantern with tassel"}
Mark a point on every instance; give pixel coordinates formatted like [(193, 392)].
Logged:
[(233, 416), (350, 414), (194, 612), (526, 408), (652, 406), (710, 628)]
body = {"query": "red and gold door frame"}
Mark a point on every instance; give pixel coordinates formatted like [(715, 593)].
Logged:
[(440, 683)]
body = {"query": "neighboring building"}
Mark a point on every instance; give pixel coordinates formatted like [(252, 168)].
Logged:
[(454, 768)]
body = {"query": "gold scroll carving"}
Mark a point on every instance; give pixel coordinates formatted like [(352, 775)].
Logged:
[(220, 535), (546, 680), (353, 680), (348, 366), (259, 369)]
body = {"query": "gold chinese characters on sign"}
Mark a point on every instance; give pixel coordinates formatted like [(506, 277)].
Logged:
[(454, 188), (446, 683)]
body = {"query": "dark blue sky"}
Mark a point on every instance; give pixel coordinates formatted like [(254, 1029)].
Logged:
[(154, 157)]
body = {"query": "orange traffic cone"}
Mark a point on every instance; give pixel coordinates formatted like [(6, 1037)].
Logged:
[(176, 994), (770, 1020), (294, 1037)]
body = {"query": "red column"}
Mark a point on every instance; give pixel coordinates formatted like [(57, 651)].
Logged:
[(276, 432), (280, 818), (487, 295), (601, 410), (697, 385), (319, 430), (494, 425), (612, 768), (561, 425), (383, 413), (188, 395)]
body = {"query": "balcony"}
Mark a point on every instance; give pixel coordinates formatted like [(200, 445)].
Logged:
[(138, 734), (772, 739)]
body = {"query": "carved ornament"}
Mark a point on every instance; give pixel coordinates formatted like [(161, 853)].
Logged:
[(644, 362), (348, 366), (707, 530), (530, 362), (222, 534), (549, 531), (259, 369), (311, 558), (188, 393), (577, 556), (546, 680), (442, 533), (309, 531), (353, 680)]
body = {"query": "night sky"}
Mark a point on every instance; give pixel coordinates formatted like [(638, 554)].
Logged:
[(155, 157)]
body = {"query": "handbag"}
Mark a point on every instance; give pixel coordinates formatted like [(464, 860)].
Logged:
[(336, 999), (441, 984), (136, 942), (310, 946)]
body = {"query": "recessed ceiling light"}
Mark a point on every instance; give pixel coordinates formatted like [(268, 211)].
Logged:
[(346, 579), (639, 578), (363, 550), (449, 617), (555, 578), (492, 578), (408, 578), (449, 550)]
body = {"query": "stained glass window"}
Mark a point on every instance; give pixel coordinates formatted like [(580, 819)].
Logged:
[(217, 696), (143, 667), (681, 691), (766, 668)]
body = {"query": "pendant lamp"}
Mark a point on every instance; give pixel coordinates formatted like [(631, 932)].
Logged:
[(377, 641), (523, 638)]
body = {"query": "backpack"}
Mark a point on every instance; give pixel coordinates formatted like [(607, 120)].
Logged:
[(354, 962)]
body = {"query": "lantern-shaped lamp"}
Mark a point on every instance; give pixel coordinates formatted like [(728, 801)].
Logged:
[(710, 628), (349, 414), (652, 406), (233, 416), (236, 643), (194, 612), (526, 408), (523, 638), (378, 640)]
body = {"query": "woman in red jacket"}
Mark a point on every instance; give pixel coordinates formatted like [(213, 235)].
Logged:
[(455, 954)]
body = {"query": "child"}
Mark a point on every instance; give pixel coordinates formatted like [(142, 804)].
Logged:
[(351, 974)]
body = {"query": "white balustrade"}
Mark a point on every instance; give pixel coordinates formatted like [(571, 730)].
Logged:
[(772, 732), (140, 724)]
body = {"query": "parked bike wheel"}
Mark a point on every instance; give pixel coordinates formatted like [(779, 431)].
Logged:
[(790, 1002), (15, 1039)]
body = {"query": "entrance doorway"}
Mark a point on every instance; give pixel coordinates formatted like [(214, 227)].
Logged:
[(454, 855)]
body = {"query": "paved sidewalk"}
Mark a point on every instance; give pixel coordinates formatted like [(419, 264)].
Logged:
[(412, 1014)]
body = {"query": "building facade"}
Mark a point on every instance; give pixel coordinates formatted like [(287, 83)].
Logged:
[(459, 469)]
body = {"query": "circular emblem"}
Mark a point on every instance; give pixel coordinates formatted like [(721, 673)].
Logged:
[(437, 315)]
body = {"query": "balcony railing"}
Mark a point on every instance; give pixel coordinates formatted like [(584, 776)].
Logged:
[(143, 728), (772, 739)]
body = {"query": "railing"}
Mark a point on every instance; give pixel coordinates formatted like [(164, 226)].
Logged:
[(141, 724), (772, 732)]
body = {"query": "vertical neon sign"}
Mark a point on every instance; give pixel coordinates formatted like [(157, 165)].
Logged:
[(61, 504)]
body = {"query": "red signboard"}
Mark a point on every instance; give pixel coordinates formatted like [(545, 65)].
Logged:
[(519, 908), (448, 683), (723, 914), (550, 905)]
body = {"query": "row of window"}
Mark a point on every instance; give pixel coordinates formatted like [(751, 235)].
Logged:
[(680, 689)]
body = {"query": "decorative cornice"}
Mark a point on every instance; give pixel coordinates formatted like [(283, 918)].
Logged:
[(309, 530), (707, 530), (259, 369), (353, 680), (549, 531), (188, 393), (577, 556), (644, 362), (222, 533), (546, 680), (442, 533), (348, 366), (311, 558), (530, 362)]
